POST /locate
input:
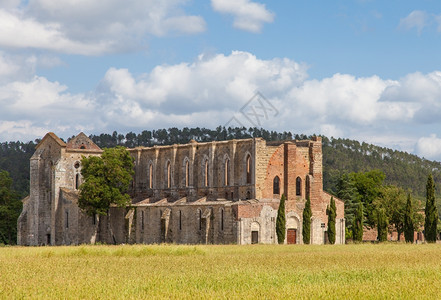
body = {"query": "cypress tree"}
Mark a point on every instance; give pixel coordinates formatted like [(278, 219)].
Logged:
[(408, 222), (357, 228), (381, 225), (331, 211), (307, 214), (431, 219), (281, 221)]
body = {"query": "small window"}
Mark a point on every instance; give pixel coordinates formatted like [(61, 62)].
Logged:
[(298, 186), (77, 179), (77, 165), (200, 219), (248, 169), (142, 220), (248, 195), (168, 175), (82, 147), (187, 173), (180, 220), (151, 176), (276, 185), (206, 181), (67, 219), (227, 172)]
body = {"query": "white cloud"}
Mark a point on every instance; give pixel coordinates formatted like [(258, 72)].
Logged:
[(429, 147), (215, 82), (212, 89), (92, 27), (416, 19), (16, 130), (9, 4), (248, 15)]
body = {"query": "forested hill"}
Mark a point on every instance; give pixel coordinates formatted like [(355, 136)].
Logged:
[(339, 155), (401, 168)]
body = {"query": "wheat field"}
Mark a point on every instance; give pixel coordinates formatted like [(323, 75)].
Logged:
[(365, 271)]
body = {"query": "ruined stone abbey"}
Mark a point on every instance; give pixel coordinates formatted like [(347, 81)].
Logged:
[(225, 192)]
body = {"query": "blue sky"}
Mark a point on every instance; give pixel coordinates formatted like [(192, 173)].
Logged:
[(366, 70)]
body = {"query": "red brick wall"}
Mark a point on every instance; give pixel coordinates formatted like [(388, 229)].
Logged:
[(274, 168)]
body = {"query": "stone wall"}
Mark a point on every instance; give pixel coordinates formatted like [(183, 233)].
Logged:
[(215, 192), (199, 222), (224, 162)]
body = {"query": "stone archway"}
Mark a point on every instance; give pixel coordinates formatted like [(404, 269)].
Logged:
[(292, 228)]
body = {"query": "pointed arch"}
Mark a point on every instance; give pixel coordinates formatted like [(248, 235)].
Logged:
[(227, 170), (248, 168), (150, 174), (168, 174), (206, 172), (186, 172)]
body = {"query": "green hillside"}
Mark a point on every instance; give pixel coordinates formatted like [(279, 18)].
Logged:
[(339, 155)]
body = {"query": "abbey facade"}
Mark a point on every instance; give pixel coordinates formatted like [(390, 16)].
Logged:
[(225, 192)]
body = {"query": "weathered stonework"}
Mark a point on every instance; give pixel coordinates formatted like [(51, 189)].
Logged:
[(223, 192)]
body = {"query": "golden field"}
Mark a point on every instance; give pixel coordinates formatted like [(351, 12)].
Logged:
[(364, 271)]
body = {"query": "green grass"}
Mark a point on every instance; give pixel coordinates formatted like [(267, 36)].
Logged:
[(364, 271)]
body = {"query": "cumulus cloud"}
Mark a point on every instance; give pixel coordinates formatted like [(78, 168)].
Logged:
[(211, 90), (416, 19), (217, 82), (429, 147), (248, 15), (92, 27)]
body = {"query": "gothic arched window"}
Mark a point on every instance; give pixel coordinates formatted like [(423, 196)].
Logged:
[(298, 186), (276, 185), (151, 175), (206, 181), (187, 173), (248, 168), (227, 172), (168, 175)]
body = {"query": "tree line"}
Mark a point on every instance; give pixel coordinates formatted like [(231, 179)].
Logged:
[(402, 171)]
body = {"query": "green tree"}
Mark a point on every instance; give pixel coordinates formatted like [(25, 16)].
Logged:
[(408, 221), (381, 225), (357, 228), (307, 214), (430, 211), (346, 191), (331, 211), (10, 208), (392, 200), (369, 186), (106, 181), (281, 221)]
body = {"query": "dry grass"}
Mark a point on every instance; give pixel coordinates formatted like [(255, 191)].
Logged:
[(263, 271)]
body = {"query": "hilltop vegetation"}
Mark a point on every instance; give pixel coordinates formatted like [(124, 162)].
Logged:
[(339, 155)]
